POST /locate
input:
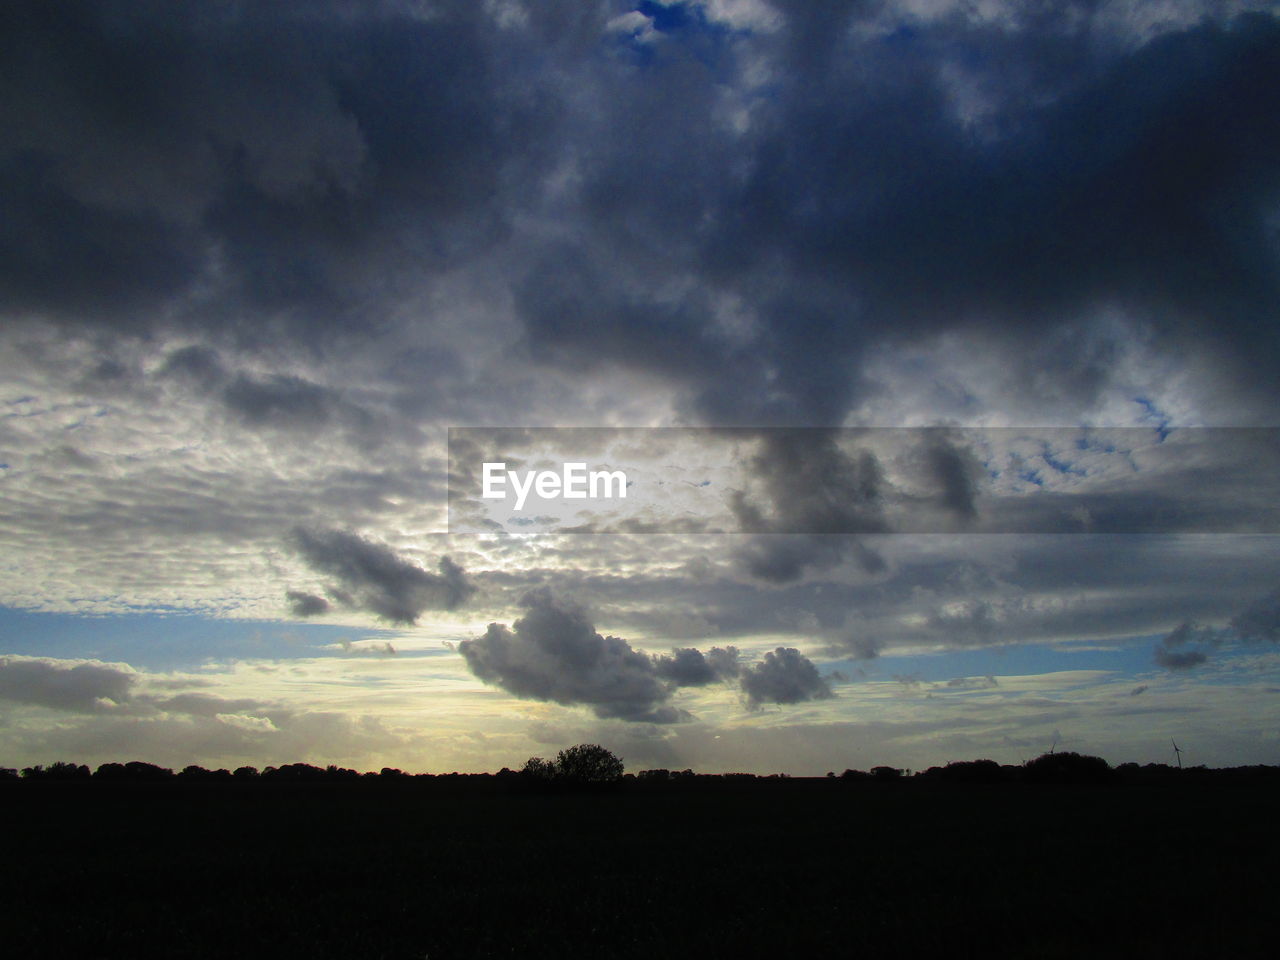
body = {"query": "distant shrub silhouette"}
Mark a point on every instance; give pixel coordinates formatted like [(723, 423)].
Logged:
[(140, 770), (1067, 768), (968, 771), (57, 771)]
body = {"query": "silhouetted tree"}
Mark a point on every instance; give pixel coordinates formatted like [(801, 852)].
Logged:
[(140, 770), (538, 769), (588, 763), (1067, 768), (294, 772), (968, 771)]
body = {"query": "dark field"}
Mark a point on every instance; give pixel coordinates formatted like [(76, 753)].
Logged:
[(795, 868)]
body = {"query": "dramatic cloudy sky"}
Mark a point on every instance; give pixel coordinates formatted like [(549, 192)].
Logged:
[(256, 260)]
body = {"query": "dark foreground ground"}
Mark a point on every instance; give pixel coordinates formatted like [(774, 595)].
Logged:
[(805, 869)]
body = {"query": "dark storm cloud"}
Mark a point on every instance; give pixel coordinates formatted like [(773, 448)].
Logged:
[(780, 559), (306, 604), (274, 157), (811, 485), (195, 364), (866, 201), (746, 215), (785, 675), (812, 490), (956, 472), (284, 401), (371, 576)]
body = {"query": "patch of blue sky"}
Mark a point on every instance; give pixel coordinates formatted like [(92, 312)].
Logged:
[(685, 23), (172, 641), (1095, 444), (1124, 659), (1061, 465), (1154, 415), (672, 17)]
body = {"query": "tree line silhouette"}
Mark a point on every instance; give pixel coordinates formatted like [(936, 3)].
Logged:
[(594, 765)]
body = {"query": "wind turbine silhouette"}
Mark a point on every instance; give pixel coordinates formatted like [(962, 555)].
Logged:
[(1176, 751)]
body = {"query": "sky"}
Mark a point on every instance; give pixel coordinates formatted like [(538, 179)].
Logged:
[(938, 339)]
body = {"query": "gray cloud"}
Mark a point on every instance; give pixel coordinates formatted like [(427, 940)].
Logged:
[(814, 495), (303, 604), (1186, 646), (205, 705), (972, 683), (349, 135), (997, 182), (280, 400), (371, 576), (864, 647), (689, 667), (1189, 644), (785, 675), (554, 653), (998, 178), (956, 471), (76, 687), (812, 486), (91, 687), (1261, 621)]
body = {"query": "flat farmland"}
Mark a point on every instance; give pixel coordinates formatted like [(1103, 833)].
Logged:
[(793, 868)]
